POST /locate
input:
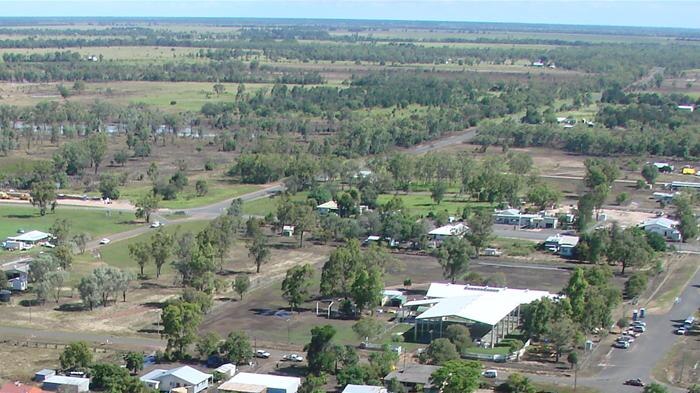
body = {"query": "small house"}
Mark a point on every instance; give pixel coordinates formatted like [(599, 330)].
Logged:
[(227, 370), (413, 375), (288, 230), (17, 276), (393, 298), (364, 389), (664, 197), (260, 383), (664, 166), (165, 380), (32, 237), (562, 244), (456, 229), (664, 227), (328, 207), (686, 108), (41, 375), (66, 384)]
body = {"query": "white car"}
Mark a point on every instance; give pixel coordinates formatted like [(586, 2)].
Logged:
[(681, 331), (262, 354), (156, 224), (490, 374), (293, 357), (105, 241)]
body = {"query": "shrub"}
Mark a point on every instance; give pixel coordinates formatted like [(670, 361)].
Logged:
[(636, 284)]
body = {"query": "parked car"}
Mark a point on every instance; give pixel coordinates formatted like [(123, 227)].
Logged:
[(681, 331), (105, 241), (262, 354), (628, 339), (639, 323), (639, 329), (293, 358), (156, 224), (621, 344), (635, 382), (490, 374)]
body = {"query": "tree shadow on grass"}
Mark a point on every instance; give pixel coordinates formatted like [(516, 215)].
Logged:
[(155, 305), (20, 216), (71, 307)]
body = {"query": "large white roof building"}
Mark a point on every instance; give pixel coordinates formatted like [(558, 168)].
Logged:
[(474, 304)]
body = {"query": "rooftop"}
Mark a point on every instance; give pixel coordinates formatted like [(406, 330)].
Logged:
[(266, 380), (364, 389), (450, 230), (486, 305), (331, 205), (31, 236), (414, 373), (563, 240), (661, 221), (63, 380), (230, 386), (185, 373)]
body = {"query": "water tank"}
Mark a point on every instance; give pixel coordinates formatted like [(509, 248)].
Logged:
[(588, 345), (5, 296), (642, 312)]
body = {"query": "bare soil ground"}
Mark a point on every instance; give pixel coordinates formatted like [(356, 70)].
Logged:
[(681, 367), (255, 314), (19, 361)]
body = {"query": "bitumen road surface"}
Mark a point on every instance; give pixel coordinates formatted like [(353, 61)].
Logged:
[(639, 360), (620, 365)]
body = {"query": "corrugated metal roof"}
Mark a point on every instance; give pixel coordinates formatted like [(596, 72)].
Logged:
[(290, 384), (476, 303), (364, 389)]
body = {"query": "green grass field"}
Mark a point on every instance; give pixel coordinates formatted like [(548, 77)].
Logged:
[(219, 190), (117, 254), (263, 206), (95, 222)]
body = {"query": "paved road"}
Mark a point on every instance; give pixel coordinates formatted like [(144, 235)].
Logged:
[(639, 360)]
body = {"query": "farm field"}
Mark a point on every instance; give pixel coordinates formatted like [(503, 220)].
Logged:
[(169, 96)]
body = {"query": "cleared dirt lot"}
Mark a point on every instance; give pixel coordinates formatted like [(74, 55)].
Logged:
[(264, 315)]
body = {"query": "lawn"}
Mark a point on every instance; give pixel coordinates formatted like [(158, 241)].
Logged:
[(263, 206), (219, 190), (95, 222), (117, 254), (422, 204)]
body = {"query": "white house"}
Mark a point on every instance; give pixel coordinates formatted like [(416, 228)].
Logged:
[(664, 227), (17, 276), (516, 217), (686, 108), (258, 383), (443, 232), (32, 237), (228, 370), (288, 230), (328, 207), (66, 384), (165, 380), (563, 244), (364, 389)]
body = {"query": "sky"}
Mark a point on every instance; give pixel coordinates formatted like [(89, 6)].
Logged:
[(656, 13)]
